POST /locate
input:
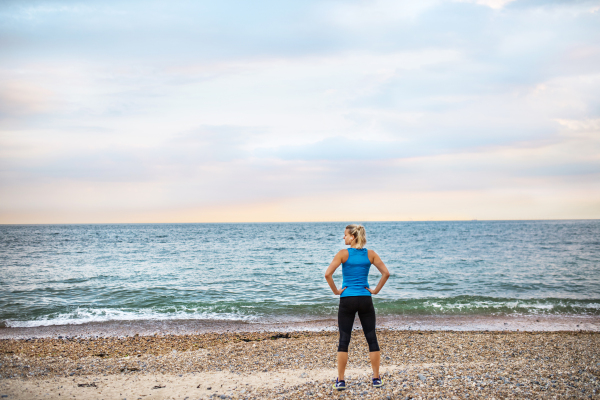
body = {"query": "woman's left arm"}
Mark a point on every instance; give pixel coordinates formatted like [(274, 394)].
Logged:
[(385, 274), (337, 261)]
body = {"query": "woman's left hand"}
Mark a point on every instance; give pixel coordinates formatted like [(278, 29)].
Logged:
[(371, 291)]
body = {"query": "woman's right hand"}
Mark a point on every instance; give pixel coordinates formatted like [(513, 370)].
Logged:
[(338, 292)]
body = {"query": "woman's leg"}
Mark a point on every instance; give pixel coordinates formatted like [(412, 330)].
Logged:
[(374, 356), (366, 313), (342, 360), (346, 314)]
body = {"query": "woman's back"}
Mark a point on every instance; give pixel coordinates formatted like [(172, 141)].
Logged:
[(355, 272)]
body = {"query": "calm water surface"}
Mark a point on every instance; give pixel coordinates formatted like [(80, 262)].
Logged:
[(56, 274)]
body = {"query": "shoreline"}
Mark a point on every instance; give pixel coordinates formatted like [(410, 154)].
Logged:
[(301, 365), (531, 323)]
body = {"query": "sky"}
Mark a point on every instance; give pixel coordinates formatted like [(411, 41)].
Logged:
[(235, 111)]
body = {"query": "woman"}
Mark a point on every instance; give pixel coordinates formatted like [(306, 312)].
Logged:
[(355, 296)]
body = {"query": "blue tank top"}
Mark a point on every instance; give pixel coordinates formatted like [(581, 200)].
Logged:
[(355, 272)]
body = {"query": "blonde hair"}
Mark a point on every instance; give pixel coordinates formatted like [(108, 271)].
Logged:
[(360, 237)]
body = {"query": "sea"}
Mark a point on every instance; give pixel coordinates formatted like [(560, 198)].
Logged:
[(274, 272)]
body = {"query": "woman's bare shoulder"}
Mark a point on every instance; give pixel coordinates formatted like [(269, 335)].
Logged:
[(372, 255), (343, 254)]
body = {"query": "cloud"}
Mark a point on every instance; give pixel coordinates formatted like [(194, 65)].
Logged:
[(495, 4), (338, 148), (20, 99), (183, 155), (185, 107)]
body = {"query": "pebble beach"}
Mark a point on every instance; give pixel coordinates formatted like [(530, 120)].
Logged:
[(301, 365)]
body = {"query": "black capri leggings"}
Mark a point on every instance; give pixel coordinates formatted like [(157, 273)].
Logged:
[(366, 312)]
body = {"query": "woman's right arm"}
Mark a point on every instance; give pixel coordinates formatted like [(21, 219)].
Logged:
[(385, 274), (337, 261)]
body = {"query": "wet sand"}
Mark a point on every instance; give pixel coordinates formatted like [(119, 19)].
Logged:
[(301, 365), (547, 323)]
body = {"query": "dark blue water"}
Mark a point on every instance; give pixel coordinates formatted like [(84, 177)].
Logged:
[(55, 274)]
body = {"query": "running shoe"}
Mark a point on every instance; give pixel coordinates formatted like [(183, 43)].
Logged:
[(339, 385), (377, 382)]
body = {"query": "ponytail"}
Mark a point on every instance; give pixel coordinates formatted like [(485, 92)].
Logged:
[(360, 237)]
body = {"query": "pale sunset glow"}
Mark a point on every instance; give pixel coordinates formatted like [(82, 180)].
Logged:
[(185, 111)]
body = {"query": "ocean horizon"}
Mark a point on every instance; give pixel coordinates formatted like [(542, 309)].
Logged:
[(273, 272)]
